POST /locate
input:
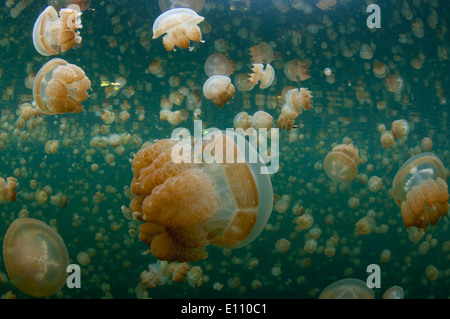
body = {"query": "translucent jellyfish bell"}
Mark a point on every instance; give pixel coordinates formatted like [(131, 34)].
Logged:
[(221, 198), (52, 34), (218, 64), (180, 27), (35, 257), (59, 87), (421, 191), (414, 171), (349, 288), (341, 164)]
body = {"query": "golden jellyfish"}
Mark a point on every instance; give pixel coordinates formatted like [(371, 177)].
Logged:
[(326, 4), (400, 128), (341, 164), (180, 27), (58, 4), (387, 139), (262, 119), (395, 83), (380, 70), (219, 64), (365, 225), (195, 5), (52, 34), (242, 120), (297, 70), (35, 257), (394, 292), (265, 75), (261, 53), (296, 102), (216, 200), (421, 191), (243, 83), (349, 288), (59, 87), (366, 52), (426, 144), (8, 189), (219, 89)]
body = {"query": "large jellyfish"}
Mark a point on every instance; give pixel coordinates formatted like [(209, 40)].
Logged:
[(189, 205), (35, 257), (341, 164), (52, 34), (59, 87), (180, 26), (421, 191)]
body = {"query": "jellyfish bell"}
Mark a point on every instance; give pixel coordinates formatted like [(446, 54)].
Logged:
[(219, 200), (52, 34), (218, 64), (59, 87), (264, 74), (180, 27), (349, 288), (341, 164), (400, 128), (262, 119), (394, 292), (219, 89), (420, 190), (35, 257)]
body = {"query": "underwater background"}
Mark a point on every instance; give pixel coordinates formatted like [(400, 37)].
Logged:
[(116, 47)]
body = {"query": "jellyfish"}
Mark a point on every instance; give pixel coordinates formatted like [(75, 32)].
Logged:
[(349, 288), (180, 27), (365, 225), (394, 292), (387, 139), (59, 4), (261, 53), (8, 189), (242, 120), (297, 70), (187, 206), (35, 257), (400, 128), (59, 87), (262, 119), (52, 34), (421, 191), (219, 64), (265, 75), (219, 89), (341, 164), (326, 4), (195, 5), (296, 101)]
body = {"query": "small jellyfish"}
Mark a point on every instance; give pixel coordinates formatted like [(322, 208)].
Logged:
[(400, 128), (180, 27), (59, 87), (350, 288), (262, 119), (219, 64), (296, 101), (188, 206), (8, 191), (261, 53), (375, 183), (426, 144), (341, 164), (52, 34), (365, 225), (242, 120), (395, 292), (387, 139), (35, 257), (297, 70), (265, 75), (421, 191), (219, 89)]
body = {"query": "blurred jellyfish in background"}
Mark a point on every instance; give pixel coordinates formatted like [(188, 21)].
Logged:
[(195, 5), (82, 5)]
